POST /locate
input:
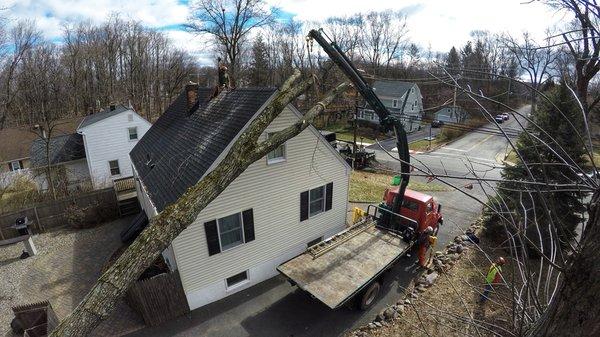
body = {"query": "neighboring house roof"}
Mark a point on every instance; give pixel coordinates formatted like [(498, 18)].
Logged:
[(391, 88), (15, 143), (106, 113), (181, 146), (62, 148)]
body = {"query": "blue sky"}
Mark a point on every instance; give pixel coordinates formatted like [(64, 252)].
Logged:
[(436, 23)]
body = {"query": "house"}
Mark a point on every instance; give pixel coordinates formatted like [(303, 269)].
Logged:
[(293, 197), (402, 99), (108, 137), (66, 156), (15, 148), (452, 114), (95, 154)]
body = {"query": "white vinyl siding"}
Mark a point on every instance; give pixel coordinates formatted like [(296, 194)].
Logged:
[(108, 139), (273, 194)]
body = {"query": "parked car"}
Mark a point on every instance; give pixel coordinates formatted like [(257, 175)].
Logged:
[(504, 116), (437, 124), (499, 119)]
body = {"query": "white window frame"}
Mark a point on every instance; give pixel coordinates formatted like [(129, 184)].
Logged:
[(137, 136), (276, 160), (310, 201), (394, 103), (238, 284), (239, 214), (118, 167), (18, 164)]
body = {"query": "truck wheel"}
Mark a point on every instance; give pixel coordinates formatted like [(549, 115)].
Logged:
[(369, 296)]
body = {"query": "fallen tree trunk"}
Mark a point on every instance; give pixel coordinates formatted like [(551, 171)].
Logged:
[(166, 226), (575, 310)]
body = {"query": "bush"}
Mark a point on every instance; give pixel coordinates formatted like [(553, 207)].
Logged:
[(75, 216)]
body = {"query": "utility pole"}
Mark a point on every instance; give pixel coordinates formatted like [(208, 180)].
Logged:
[(355, 120)]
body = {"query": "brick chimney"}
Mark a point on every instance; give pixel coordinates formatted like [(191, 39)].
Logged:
[(191, 90)]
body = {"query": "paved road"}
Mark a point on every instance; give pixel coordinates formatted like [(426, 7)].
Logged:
[(274, 308), (389, 144)]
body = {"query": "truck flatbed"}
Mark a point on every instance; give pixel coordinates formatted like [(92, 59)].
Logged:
[(337, 275)]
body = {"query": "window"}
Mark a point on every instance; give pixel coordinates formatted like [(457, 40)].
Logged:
[(231, 233), (15, 165), (236, 279), (133, 135), (314, 242), (429, 208), (394, 103), (114, 167), (277, 155), (411, 205), (315, 201)]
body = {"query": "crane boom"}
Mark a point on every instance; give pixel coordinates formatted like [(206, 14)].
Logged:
[(387, 121)]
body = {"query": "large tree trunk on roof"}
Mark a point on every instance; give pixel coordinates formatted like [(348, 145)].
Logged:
[(575, 311), (167, 225)]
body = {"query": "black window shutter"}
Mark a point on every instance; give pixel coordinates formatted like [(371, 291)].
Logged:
[(10, 167), (21, 164), (248, 218), (303, 206), (212, 237), (328, 196)]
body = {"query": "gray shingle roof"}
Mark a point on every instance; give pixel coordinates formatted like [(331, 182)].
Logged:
[(62, 148), (180, 147), (93, 118), (391, 88)]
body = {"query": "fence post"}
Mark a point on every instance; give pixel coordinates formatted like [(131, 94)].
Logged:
[(37, 219)]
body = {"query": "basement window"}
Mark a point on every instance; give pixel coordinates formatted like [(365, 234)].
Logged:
[(237, 279)]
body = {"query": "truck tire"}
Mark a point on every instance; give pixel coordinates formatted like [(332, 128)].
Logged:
[(369, 296)]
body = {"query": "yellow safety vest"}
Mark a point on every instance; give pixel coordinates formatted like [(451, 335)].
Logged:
[(491, 275)]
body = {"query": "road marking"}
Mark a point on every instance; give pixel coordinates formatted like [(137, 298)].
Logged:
[(454, 155), (453, 149), (480, 142)]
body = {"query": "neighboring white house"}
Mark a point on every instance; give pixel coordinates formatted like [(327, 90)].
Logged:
[(403, 100), (295, 196), (97, 153), (108, 137)]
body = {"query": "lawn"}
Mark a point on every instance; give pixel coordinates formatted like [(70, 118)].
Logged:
[(423, 145), (349, 137), (369, 187)]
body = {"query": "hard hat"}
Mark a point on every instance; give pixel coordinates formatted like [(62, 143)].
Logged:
[(428, 229), (501, 260)]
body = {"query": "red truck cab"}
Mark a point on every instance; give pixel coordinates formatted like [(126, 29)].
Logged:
[(417, 206)]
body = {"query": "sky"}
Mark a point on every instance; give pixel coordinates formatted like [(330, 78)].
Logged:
[(438, 24)]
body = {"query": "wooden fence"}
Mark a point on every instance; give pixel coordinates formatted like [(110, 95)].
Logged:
[(97, 206), (159, 298)]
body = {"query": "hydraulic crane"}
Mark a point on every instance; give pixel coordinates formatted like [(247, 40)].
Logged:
[(387, 121)]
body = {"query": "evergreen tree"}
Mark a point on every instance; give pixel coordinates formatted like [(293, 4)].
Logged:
[(564, 208), (259, 67), (453, 62)]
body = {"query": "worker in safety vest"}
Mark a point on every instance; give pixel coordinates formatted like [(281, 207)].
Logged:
[(493, 277), (425, 240)]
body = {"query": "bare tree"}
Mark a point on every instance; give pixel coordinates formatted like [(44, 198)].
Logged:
[(383, 38), (534, 59), (229, 22)]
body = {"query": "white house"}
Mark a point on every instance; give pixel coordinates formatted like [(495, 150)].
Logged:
[(295, 196), (403, 100), (451, 114), (108, 137), (97, 153)]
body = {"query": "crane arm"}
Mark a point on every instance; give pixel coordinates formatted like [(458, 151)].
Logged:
[(386, 120)]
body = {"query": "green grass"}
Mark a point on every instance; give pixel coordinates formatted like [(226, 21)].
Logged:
[(369, 187), (423, 145)]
